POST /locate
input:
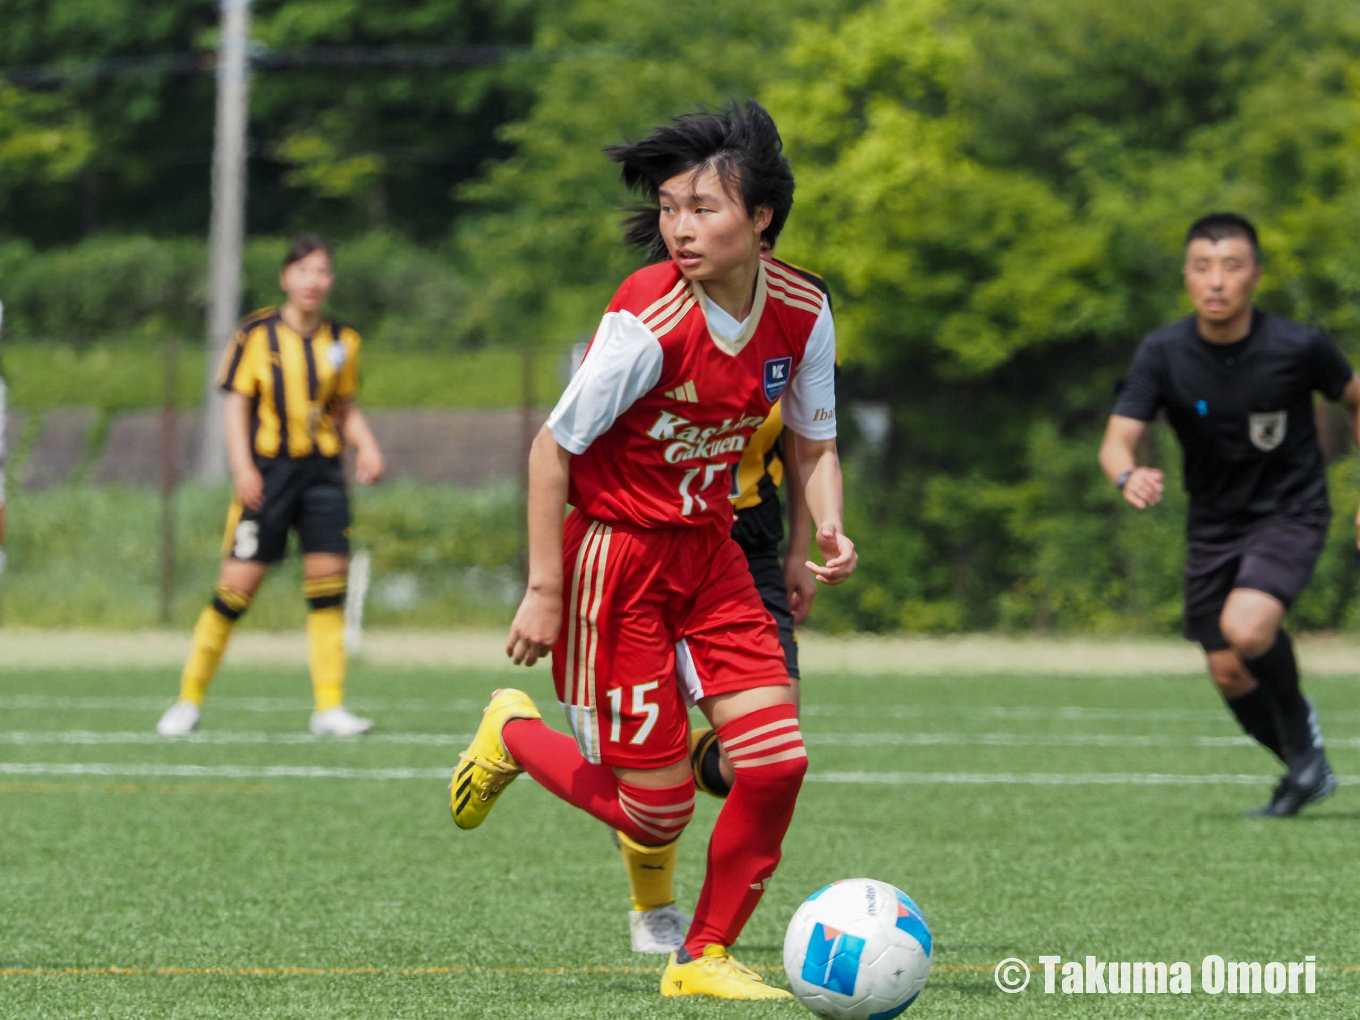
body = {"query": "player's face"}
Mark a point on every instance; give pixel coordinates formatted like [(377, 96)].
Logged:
[(707, 231), (1221, 276), (308, 280)]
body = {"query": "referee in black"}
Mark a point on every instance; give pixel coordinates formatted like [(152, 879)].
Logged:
[(1237, 387)]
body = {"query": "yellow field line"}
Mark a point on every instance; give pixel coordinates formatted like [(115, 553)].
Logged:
[(411, 971), (313, 971)]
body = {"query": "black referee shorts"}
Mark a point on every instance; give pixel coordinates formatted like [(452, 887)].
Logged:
[(307, 494), (1275, 554), (767, 570)]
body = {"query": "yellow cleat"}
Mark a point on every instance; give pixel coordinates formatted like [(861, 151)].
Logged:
[(716, 974), (486, 767)]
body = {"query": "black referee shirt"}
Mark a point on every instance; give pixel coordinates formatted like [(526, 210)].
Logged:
[(1243, 413)]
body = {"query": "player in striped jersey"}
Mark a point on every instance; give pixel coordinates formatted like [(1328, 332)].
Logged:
[(291, 377)]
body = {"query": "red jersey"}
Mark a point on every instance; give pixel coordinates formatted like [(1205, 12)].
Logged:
[(672, 388)]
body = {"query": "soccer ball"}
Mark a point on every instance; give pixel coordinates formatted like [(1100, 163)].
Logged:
[(857, 950)]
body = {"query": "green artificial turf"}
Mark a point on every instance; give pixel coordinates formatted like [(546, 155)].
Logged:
[(149, 878)]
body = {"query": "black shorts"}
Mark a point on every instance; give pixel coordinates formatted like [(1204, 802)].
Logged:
[(1275, 554), (307, 494), (767, 569)]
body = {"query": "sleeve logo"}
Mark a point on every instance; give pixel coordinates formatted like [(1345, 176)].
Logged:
[(777, 372)]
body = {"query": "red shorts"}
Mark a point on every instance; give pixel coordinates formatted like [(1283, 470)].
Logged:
[(652, 622)]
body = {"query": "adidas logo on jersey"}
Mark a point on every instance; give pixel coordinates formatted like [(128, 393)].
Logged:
[(687, 393)]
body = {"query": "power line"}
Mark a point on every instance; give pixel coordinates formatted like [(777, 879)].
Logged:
[(264, 59), (257, 154)]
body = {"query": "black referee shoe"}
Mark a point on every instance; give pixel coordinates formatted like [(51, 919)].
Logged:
[(1307, 785)]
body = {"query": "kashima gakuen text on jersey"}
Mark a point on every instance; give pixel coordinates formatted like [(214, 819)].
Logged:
[(694, 443), (672, 388)]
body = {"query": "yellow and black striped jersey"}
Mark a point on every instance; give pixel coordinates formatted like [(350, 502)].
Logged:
[(756, 479), (293, 382), (761, 470)]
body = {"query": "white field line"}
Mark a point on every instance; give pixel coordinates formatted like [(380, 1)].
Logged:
[(455, 706), (1033, 779), (144, 770), (96, 738), (93, 738), (17, 768), (143, 703), (820, 654)]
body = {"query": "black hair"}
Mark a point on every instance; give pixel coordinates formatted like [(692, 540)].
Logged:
[(740, 142), (1222, 225), (302, 246)]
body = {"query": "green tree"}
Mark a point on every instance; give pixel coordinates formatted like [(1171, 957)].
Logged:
[(362, 115), (544, 242), (44, 143), (998, 193)]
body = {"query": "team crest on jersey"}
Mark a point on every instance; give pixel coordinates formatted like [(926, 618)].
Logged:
[(777, 372), (1267, 429)]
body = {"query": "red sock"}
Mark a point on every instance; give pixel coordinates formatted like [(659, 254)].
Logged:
[(645, 814), (766, 749)]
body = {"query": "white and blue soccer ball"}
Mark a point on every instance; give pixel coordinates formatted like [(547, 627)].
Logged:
[(857, 949)]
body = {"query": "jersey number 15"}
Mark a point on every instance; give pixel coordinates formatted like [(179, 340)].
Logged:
[(688, 499)]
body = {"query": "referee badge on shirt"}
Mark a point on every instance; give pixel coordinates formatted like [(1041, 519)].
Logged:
[(1267, 429), (777, 376)]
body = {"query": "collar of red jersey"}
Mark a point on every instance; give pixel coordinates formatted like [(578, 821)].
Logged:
[(734, 345)]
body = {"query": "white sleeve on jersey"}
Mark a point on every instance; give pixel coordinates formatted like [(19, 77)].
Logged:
[(623, 363), (809, 403)]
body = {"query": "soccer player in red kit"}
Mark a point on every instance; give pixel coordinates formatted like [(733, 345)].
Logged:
[(642, 596)]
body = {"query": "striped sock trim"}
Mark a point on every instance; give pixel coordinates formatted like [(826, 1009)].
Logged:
[(706, 762), (326, 592), (763, 738), (230, 603), (659, 815)]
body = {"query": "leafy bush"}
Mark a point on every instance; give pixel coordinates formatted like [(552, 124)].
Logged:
[(118, 288)]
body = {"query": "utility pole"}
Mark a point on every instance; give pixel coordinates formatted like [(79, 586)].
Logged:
[(228, 221)]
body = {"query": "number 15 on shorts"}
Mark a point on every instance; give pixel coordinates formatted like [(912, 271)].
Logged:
[(642, 708)]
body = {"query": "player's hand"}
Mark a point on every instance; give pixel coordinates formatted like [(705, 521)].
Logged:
[(801, 584), (249, 485), (1144, 488), (369, 466), (839, 553), (536, 626)]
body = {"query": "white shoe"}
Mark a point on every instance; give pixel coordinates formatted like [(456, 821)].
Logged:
[(659, 930), (180, 719), (339, 722)]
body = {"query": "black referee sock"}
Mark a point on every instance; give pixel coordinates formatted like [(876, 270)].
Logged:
[(1256, 714), (1278, 672)]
